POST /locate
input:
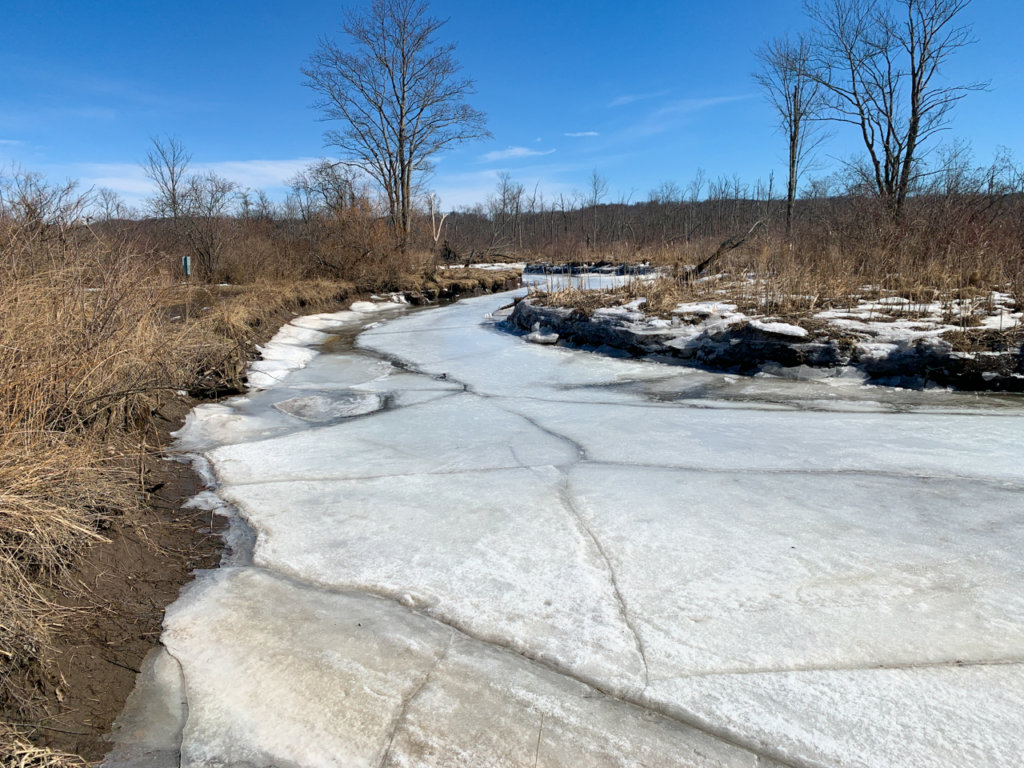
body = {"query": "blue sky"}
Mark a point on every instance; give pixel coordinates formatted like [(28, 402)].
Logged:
[(641, 95)]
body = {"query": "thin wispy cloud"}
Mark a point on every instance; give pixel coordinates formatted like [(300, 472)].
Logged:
[(687, 106), (105, 114), (259, 174), (670, 115), (514, 153), (581, 134), (10, 143), (129, 179), (629, 98)]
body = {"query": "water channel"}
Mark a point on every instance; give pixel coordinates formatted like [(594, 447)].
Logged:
[(452, 547)]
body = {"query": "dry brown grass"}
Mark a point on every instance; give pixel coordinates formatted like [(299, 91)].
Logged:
[(57, 494), (17, 752), (771, 277)]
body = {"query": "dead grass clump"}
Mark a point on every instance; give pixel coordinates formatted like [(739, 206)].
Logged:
[(986, 340), (86, 349), (580, 299), (235, 311), (17, 752)]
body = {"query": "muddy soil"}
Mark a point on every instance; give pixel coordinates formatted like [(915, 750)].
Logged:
[(118, 592)]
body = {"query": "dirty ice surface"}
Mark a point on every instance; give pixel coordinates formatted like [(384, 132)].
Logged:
[(468, 550)]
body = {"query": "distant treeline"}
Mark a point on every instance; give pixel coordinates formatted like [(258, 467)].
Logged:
[(332, 226)]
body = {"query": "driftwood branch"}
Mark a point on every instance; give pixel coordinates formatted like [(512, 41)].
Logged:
[(731, 244)]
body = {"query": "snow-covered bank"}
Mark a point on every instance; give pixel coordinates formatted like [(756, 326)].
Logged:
[(293, 346), (906, 352)]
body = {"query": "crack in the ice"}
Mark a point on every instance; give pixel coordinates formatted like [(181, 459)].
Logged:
[(641, 702), (999, 483), (570, 504), (395, 475), (865, 667), (792, 406), (581, 451), (1003, 483), (407, 701), (517, 459), (540, 734), (408, 367), (411, 331)]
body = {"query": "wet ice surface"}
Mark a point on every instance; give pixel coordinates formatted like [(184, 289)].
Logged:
[(473, 550)]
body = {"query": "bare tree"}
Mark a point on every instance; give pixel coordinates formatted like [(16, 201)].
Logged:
[(166, 166), (108, 205), (398, 95), (324, 186), (263, 208), (437, 227), (204, 219), (666, 193), (694, 193), (196, 204), (505, 209), (46, 217), (595, 194), (879, 61), (798, 100)]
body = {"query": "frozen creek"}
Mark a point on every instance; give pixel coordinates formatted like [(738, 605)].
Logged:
[(463, 549)]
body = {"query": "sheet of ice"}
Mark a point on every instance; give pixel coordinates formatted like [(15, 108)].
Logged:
[(704, 308), (497, 554), (483, 708), (338, 387), (453, 435), (466, 347), (867, 574), (790, 441), (323, 408), (495, 267), (914, 717), (538, 337), (148, 732), (532, 555), (780, 329), (281, 674)]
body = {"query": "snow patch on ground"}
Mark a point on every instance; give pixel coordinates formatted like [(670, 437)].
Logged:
[(780, 329)]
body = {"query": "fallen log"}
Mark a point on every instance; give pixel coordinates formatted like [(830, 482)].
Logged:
[(730, 244)]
